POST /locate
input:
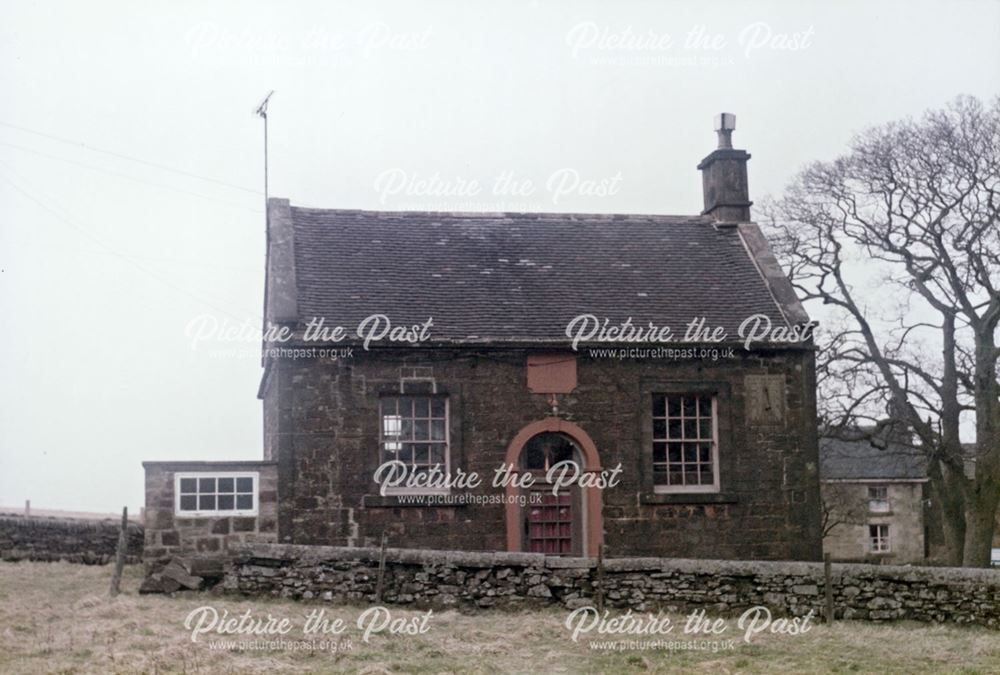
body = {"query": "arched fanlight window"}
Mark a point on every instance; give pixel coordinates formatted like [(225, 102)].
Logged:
[(545, 450)]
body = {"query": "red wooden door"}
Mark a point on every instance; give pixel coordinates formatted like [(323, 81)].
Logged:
[(550, 524)]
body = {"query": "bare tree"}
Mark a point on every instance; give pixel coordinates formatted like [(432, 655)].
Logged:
[(900, 239), (841, 504)]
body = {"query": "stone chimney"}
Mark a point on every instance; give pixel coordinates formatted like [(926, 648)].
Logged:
[(724, 176)]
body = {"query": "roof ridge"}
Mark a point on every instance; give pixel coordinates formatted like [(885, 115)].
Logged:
[(507, 214)]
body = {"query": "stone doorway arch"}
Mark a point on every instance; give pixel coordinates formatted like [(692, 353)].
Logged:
[(591, 496)]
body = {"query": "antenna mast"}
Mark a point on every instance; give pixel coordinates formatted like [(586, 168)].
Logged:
[(262, 112)]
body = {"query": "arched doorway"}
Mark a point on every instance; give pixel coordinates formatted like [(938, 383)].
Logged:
[(553, 520), (568, 522)]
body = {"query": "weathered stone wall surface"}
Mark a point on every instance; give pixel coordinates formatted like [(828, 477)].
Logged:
[(444, 579), (92, 542), (169, 535), (322, 427)]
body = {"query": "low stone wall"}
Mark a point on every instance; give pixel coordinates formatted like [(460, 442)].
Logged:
[(444, 579), (92, 542)]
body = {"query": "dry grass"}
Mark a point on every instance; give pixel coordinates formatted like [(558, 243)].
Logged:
[(57, 618)]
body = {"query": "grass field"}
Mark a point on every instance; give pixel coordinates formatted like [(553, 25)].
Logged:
[(58, 618)]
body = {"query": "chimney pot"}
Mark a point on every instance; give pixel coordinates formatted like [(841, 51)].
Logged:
[(725, 124)]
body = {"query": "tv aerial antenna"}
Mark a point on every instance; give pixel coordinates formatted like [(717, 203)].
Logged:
[(262, 113)]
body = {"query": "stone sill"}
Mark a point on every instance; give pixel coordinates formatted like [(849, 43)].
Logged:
[(689, 498), (392, 502)]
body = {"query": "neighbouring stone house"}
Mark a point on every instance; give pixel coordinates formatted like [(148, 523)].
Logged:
[(707, 448), (875, 500)]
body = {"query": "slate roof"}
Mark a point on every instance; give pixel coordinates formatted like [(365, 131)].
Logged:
[(521, 277), (859, 460)]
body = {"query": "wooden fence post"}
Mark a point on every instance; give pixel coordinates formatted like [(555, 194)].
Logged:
[(828, 585), (381, 569), (27, 508), (600, 578), (120, 553)]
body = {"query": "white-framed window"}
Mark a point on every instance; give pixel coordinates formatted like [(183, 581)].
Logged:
[(216, 493), (685, 443), (878, 499), (878, 539), (413, 429)]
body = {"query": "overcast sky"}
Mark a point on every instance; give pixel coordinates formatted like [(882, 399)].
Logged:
[(131, 168)]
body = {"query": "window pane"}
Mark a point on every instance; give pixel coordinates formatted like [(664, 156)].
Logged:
[(689, 406), (244, 484), (206, 485), (206, 502), (407, 428), (690, 452), (392, 426), (675, 475), (674, 429), (560, 451), (226, 502), (706, 474), (421, 430), (437, 430), (704, 406), (421, 407), (691, 476), (406, 407), (705, 427), (244, 502), (675, 452), (659, 428), (704, 452), (674, 406), (437, 454), (534, 456), (226, 484), (659, 452), (437, 407), (690, 429), (189, 502), (188, 485), (659, 405)]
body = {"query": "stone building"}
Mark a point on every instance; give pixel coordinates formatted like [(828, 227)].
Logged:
[(406, 346), (874, 500)]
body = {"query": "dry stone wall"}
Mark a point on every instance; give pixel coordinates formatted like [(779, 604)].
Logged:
[(92, 542), (444, 579)]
